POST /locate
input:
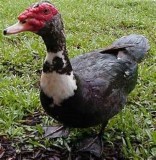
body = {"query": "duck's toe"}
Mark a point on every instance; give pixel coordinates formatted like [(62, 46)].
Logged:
[(93, 145), (56, 132)]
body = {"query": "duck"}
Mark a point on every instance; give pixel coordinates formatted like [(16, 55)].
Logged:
[(89, 89)]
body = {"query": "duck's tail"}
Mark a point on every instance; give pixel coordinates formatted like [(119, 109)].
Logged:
[(134, 46)]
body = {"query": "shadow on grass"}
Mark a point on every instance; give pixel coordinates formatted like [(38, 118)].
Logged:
[(22, 148), (9, 152)]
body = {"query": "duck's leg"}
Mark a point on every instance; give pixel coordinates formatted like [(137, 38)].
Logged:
[(94, 145), (55, 132)]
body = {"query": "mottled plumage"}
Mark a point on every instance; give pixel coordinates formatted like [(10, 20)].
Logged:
[(93, 87)]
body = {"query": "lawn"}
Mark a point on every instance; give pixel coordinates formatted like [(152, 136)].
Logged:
[(89, 25)]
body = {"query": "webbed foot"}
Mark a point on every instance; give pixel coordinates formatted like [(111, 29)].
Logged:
[(93, 145), (55, 132)]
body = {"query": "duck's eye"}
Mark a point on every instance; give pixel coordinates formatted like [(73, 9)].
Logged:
[(23, 21), (46, 11)]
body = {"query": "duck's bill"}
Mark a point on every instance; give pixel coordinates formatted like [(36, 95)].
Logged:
[(16, 28)]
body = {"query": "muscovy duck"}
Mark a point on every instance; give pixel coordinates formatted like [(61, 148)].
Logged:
[(91, 88)]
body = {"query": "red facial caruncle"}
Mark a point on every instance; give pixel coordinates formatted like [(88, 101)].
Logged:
[(37, 15), (33, 18)]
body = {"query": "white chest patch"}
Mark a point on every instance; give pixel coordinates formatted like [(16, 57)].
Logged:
[(58, 86)]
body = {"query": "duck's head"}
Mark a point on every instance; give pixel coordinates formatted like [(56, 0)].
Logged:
[(34, 18)]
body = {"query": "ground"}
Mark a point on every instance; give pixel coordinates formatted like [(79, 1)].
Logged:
[(89, 25)]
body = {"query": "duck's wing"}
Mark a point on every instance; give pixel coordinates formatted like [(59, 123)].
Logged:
[(115, 64), (107, 76), (105, 70), (104, 81)]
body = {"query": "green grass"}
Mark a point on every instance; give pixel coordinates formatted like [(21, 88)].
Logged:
[(89, 25)]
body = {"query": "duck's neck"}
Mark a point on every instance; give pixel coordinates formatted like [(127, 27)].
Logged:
[(55, 40), (57, 79)]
